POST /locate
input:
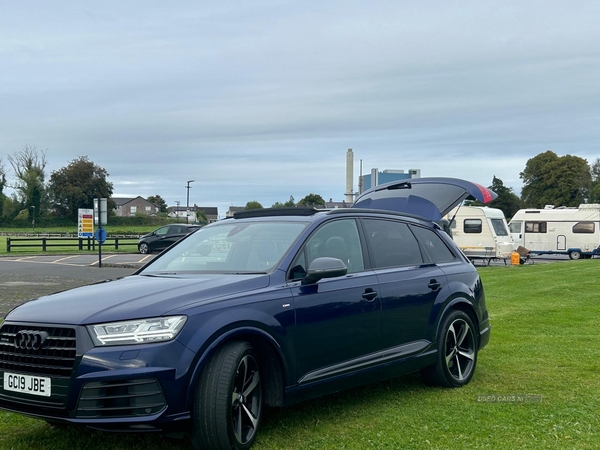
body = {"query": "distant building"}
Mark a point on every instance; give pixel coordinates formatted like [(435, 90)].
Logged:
[(233, 209), (335, 205), (211, 213), (129, 207), (375, 178)]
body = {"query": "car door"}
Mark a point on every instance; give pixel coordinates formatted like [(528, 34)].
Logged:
[(337, 319), (175, 233), (409, 285)]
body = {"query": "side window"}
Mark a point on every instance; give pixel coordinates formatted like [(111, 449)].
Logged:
[(535, 227), (391, 244), (433, 246), (162, 231), (472, 226), (335, 239), (584, 227), (515, 227)]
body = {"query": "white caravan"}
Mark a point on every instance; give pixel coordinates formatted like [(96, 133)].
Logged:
[(565, 231), (481, 232)]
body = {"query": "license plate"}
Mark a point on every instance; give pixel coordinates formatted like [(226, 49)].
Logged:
[(27, 384)]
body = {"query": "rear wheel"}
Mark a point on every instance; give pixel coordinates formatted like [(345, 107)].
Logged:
[(575, 254), (228, 401), (144, 248), (457, 352)]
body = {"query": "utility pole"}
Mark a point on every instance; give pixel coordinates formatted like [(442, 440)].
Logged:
[(187, 207), (32, 218)]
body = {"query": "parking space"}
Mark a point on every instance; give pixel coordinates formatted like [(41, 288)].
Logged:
[(110, 259)]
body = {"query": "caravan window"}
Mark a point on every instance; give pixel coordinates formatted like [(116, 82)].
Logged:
[(472, 226), (584, 227), (536, 227), (499, 227)]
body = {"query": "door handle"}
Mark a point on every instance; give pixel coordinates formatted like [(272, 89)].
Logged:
[(369, 295), (434, 285)]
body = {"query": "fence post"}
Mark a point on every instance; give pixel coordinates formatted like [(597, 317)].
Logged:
[(116, 243), (43, 244), (8, 244)]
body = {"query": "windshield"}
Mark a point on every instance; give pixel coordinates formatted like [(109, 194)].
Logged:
[(499, 227), (230, 247)]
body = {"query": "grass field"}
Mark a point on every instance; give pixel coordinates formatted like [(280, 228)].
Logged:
[(536, 386), (124, 246)]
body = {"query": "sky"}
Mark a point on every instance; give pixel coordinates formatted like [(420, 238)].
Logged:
[(260, 100)]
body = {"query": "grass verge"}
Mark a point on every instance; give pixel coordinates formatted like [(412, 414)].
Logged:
[(536, 386)]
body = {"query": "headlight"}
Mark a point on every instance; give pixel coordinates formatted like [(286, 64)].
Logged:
[(141, 331)]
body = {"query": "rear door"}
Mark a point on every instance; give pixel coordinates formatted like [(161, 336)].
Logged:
[(408, 285)]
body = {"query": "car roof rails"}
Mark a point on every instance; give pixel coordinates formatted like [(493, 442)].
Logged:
[(271, 212)]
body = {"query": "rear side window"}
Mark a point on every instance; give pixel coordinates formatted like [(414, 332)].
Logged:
[(433, 246), (584, 227), (472, 226), (391, 244)]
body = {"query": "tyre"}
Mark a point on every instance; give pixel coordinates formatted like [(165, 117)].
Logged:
[(575, 254), (144, 248), (228, 400), (457, 352)]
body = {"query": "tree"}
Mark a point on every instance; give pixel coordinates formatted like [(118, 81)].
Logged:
[(552, 180), (158, 201), (507, 200), (289, 204), (595, 184), (29, 165), (2, 186), (253, 205), (77, 185), (312, 200)]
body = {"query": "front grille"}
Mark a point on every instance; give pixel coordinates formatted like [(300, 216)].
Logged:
[(120, 398), (55, 357)]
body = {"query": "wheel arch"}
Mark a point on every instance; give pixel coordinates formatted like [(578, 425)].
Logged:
[(271, 360), (460, 304)]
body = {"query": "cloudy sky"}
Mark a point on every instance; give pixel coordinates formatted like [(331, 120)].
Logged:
[(259, 100)]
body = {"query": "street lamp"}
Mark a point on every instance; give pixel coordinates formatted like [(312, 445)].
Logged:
[(32, 218), (187, 207)]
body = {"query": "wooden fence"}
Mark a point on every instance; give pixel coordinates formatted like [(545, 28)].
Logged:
[(80, 243)]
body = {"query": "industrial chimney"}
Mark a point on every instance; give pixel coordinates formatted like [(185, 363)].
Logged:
[(349, 176)]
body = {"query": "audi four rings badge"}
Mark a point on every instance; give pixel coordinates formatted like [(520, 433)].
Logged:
[(30, 340)]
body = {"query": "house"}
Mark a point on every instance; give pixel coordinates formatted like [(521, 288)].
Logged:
[(129, 207), (233, 209), (211, 213), (335, 205)]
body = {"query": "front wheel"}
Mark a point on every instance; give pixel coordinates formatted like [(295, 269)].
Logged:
[(575, 254), (144, 248), (228, 400), (457, 352)]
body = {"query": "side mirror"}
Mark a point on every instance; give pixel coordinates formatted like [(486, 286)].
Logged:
[(324, 268)]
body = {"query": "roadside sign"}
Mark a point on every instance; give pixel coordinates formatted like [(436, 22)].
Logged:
[(85, 226), (100, 235)]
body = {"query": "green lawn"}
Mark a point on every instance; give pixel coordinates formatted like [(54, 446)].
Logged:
[(124, 245), (545, 343)]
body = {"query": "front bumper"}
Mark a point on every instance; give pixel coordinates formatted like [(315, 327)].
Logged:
[(135, 387)]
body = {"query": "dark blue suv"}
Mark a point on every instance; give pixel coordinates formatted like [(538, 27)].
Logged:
[(267, 308)]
